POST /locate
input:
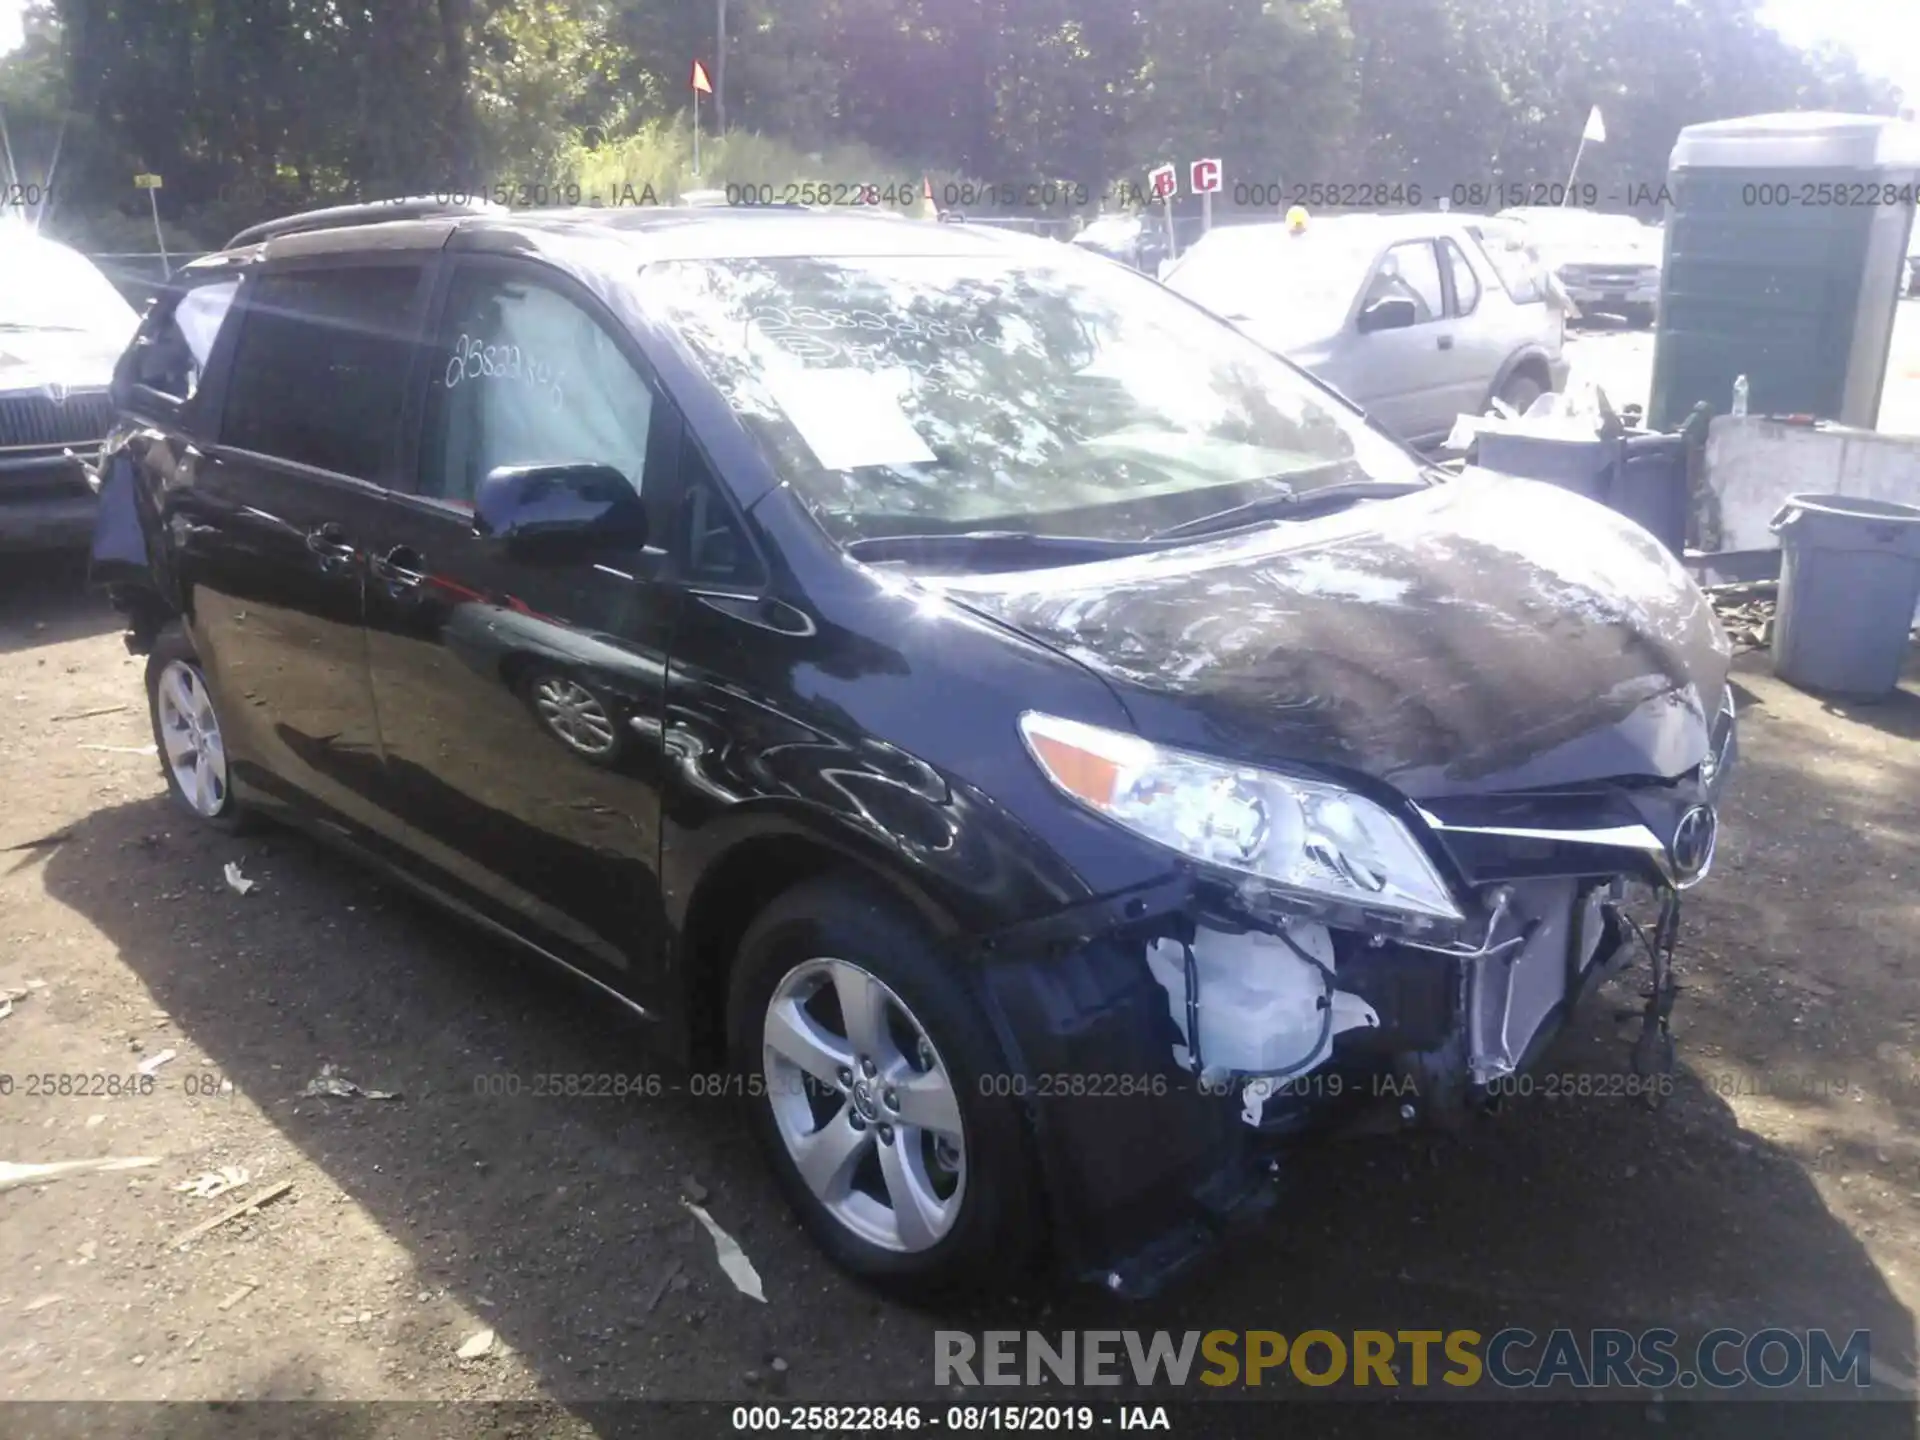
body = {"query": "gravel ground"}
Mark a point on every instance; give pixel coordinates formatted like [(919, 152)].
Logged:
[(1779, 1186)]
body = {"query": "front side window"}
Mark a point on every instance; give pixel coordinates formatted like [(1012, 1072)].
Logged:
[(1409, 272), (172, 357), (321, 367), (927, 394), (521, 375)]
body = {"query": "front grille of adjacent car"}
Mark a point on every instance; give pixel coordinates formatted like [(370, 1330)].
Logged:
[(1609, 277), (34, 419)]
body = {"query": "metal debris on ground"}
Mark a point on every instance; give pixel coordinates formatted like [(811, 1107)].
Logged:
[(123, 749), (733, 1259), (155, 1061), (332, 1085), (1746, 612), (214, 1182), (475, 1345), (12, 1173), (245, 1207), (92, 714), (236, 881)]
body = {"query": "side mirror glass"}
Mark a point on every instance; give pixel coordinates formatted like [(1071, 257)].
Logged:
[(559, 510)]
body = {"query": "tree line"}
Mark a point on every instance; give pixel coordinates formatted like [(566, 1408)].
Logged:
[(249, 108)]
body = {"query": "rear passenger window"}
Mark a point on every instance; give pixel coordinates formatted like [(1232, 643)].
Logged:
[(321, 368), (1466, 284), (171, 355)]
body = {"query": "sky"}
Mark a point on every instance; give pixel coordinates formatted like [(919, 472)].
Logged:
[(1885, 34)]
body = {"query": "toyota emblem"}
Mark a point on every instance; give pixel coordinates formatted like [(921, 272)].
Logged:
[(57, 391), (1691, 851)]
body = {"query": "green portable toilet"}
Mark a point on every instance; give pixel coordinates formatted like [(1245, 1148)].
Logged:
[(1785, 253)]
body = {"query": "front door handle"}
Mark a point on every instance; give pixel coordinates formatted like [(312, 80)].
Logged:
[(401, 569), (1445, 342), (330, 543)]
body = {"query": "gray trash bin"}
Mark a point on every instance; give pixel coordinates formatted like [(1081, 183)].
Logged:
[(1849, 581)]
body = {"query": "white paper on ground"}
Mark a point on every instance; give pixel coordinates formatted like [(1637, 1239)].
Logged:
[(733, 1260), (848, 417)]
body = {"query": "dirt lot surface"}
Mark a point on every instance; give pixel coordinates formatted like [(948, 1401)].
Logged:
[(1780, 1185)]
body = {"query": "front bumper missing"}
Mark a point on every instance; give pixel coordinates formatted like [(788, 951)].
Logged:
[(1147, 1166)]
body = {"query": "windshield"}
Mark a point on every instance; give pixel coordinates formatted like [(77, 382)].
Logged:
[(44, 286), (932, 394), (1261, 272)]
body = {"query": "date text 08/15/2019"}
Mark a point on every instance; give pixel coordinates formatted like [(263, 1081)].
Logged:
[(957, 1419)]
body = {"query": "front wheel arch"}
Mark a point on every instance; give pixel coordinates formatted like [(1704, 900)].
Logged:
[(744, 880)]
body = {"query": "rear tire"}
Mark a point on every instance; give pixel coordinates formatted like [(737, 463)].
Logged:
[(1521, 390), (188, 734), (866, 1060)]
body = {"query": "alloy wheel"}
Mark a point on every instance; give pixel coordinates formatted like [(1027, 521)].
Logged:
[(196, 755), (571, 712), (864, 1105)]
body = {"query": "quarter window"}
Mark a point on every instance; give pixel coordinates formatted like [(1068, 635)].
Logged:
[(521, 375), (321, 368)]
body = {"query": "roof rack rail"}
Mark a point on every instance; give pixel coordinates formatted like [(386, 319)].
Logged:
[(370, 212)]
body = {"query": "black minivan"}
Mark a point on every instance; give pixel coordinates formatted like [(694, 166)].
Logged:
[(1044, 750)]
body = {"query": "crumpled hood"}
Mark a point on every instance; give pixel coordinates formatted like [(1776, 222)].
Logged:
[(1488, 634)]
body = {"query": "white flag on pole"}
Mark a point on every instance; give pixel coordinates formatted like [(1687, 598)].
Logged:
[(1596, 130)]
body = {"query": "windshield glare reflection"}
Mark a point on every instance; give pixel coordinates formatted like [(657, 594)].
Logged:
[(918, 394)]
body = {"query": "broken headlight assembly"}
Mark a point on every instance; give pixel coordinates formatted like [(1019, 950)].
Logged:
[(1326, 850)]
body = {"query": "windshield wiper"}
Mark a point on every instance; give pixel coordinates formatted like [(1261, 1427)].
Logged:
[(992, 545), (1281, 503)]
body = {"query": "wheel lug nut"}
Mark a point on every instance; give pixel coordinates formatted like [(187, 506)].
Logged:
[(846, 1076), (853, 1119), (891, 1099), (868, 1068), (886, 1134)]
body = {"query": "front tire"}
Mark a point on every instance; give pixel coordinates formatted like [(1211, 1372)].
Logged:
[(867, 1061), (188, 734)]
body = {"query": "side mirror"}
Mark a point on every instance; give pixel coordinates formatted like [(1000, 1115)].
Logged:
[(1395, 312), (559, 510)]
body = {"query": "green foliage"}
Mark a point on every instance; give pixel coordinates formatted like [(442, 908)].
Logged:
[(658, 158), (251, 108)]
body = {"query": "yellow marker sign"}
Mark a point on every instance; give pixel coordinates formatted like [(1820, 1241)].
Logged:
[(146, 182)]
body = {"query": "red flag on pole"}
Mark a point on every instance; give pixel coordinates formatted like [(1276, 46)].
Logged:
[(700, 81)]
